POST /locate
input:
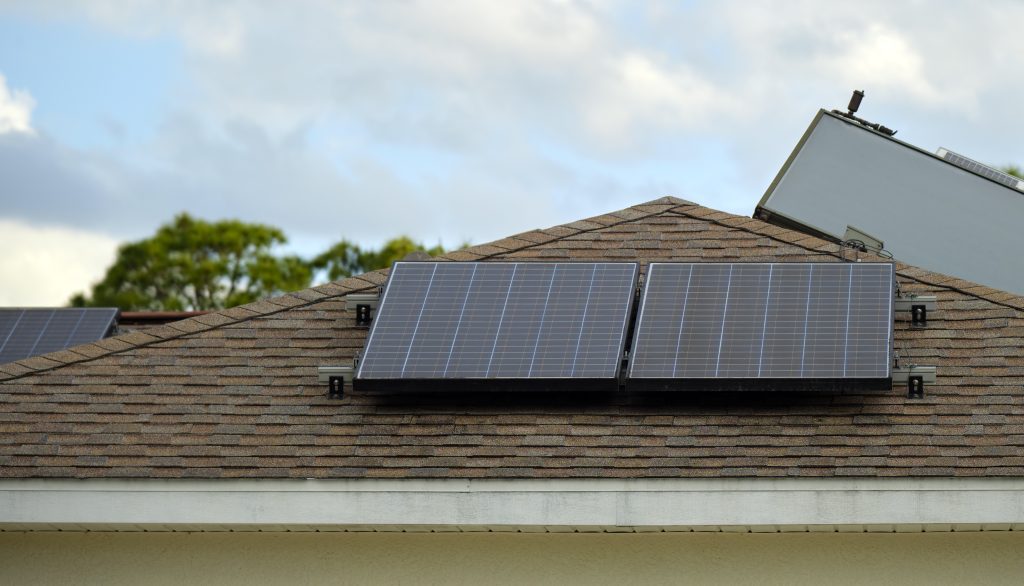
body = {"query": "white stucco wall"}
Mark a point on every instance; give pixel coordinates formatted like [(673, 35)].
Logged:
[(483, 558)]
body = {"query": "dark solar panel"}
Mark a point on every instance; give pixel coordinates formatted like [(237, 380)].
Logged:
[(706, 323), (34, 331), (475, 322)]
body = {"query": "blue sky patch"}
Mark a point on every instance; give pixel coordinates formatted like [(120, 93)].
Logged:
[(92, 88)]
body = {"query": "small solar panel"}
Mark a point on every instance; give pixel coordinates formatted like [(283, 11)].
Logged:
[(470, 323), (981, 169), (33, 331), (738, 326)]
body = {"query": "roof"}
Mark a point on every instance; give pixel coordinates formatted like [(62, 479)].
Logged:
[(234, 393)]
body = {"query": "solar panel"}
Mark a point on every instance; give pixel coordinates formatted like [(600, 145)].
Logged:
[(741, 326), (980, 169), (34, 331), (467, 323)]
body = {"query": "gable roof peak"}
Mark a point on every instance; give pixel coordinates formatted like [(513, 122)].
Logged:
[(672, 200)]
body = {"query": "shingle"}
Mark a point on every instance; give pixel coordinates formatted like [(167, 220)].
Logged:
[(630, 214), (651, 208), (262, 307), (584, 225), (511, 243), (487, 250), (463, 255), (38, 363), (64, 356), (604, 220), (366, 280), (188, 325), (137, 338), (240, 312), (163, 332), (216, 318), (287, 300), (559, 231)]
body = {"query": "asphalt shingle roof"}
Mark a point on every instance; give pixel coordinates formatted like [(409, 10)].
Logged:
[(235, 393)]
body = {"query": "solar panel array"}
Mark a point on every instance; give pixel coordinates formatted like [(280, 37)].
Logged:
[(500, 320), (821, 321), (34, 331)]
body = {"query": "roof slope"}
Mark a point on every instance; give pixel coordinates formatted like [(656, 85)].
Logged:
[(235, 393)]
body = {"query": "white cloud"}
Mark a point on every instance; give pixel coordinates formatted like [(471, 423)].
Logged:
[(44, 266), (930, 58), (15, 109), (420, 66), (883, 59), (640, 97)]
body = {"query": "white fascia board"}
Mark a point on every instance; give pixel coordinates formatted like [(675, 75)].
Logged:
[(467, 504)]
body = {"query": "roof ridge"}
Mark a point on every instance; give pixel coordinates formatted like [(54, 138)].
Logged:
[(305, 297), (543, 236)]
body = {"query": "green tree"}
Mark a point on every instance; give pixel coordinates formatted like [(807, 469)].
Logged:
[(191, 264), (1014, 170), (340, 260), (345, 259)]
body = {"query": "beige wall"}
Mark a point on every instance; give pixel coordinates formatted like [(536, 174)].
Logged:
[(310, 558)]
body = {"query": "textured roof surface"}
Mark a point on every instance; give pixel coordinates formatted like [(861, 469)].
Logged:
[(235, 393)]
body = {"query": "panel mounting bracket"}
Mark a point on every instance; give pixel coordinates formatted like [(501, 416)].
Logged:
[(337, 378), (915, 387), (915, 377), (918, 306), (365, 306)]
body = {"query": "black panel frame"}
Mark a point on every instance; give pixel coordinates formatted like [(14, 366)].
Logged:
[(485, 385), (753, 385)]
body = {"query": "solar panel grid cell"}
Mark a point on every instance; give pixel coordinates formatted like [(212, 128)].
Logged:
[(824, 343), (517, 340), (605, 318), (8, 323), (26, 334), (785, 325), (870, 319), (58, 331), (742, 337), (701, 324), (95, 323), (473, 350)]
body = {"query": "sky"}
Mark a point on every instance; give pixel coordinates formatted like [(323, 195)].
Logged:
[(450, 121)]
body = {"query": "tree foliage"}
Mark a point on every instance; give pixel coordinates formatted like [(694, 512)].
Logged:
[(1014, 170), (345, 259), (191, 264)]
